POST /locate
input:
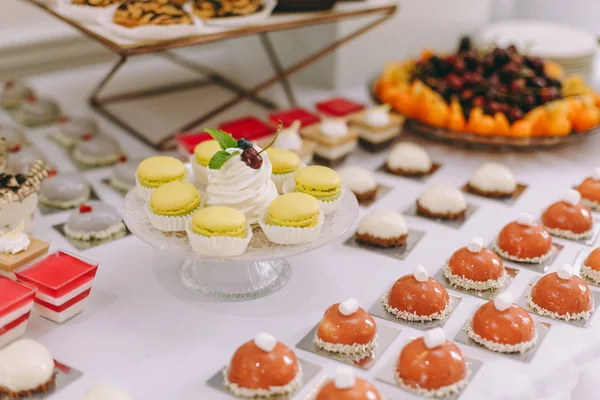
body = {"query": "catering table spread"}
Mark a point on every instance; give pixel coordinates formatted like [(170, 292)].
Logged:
[(145, 332)]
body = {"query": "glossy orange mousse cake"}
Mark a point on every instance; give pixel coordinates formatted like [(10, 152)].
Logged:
[(347, 329), (591, 266), (562, 295), (474, 267), (347, 386), (524, 241), (263, 367), (503, 326), (569, 218), (418, 297), (432, 366), (590, 190)]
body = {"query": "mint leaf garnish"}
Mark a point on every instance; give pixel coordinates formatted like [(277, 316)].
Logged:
[(224, 139), (220, 158)]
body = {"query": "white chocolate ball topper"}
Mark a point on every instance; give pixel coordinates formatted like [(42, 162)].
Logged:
[(476, 245), (348, 307), (503, 301), (572, 197), (344, 378), (420, 274), (525, 219), (565, 272), (434, 338), (265, 342)]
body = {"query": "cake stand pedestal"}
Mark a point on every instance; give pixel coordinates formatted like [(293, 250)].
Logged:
[(261, 270)]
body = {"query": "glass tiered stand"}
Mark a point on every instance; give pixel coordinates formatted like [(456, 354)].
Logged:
[(261, 270)]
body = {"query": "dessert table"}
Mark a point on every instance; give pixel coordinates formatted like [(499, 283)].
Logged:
[(143, 331)]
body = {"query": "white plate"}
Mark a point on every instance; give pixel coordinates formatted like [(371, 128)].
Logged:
[(81, 13), (236, 22)]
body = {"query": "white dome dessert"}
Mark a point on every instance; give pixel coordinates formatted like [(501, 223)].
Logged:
[(25, 366), (382, 228), (360, 181), (442, 201), (106, 392), (409, 159), (493, 180)]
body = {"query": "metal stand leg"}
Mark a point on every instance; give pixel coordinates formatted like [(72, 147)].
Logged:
[(270, 50)]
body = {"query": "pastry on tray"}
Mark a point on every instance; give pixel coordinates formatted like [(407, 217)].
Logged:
[(492, 180), (98, 151), (524, 241), (226, 8), (590, 190), (361, 182), (73, 130), (20, 159), (219, 231), (569, 218), (37, 111), (17, 248), (432, 366), (94, 220), (95, 3), (14, 93), (590, 269), (335, 140), (408, 159), (382, 228), (263, 367), (27, 369), (65, 190), (562, 295), (442, 201), (13, 136), (138, 13), (347, 329), (124, 173), (347, 386), (503, 326), (378, 127)]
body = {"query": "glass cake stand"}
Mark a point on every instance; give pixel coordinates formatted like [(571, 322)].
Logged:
[(261, 270)]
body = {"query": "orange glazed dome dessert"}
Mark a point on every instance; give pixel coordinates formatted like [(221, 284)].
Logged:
[(524, 240), (346, 386), (263, 367), (503, 326), (432, 366), (569, 218), (562, 295), (417, 297), (591, 266), (347, 329), (590, 190), (475, 268)]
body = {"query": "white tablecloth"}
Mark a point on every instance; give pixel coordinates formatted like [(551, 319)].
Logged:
[(144, 332)]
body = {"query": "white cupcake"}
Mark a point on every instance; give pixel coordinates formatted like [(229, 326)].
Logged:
[(409, 159), (493, 180), (442, 201), (361, 182)]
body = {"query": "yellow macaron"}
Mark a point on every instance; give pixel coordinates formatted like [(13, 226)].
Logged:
[(175, 199), (294, 210), (156, 171), (205, 150), (219, 221), (283, 161), (321, 182)]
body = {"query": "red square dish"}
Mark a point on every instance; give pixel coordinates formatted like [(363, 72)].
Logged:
[(248, 127), (288, 117), (338, 107)]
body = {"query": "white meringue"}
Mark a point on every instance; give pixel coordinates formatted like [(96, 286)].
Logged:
[(348, 307), (493, 177), (476, 245), (344, 378), (434, 337), (420, 274), (265, 342), (442, 199), (525, 219), (409, 157), (503, 301)]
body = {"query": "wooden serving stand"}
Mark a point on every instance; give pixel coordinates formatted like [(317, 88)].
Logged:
[(381, 9)]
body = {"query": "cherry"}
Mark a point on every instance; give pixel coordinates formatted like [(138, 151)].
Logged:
[(244, 144), (123, 158), (478, 101), (251, 157), (548, 94), (467, 94), (455, 82), (517, 85), (504, 108), (493, 107), (83, 209), (451, 59), (537, 81), (494, 80), (512, 49), (500, 57), (528, 102), (515, 114), (460, 65)]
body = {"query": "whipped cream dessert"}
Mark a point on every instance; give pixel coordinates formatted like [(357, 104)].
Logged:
[(442, 200), (289, 138), (25, 367), (409, 158), (378, 116), (106, 392), (14, 93), (359, 180), (493, 179), (239, 186), (383, 223), (14, 241), (334, 127)]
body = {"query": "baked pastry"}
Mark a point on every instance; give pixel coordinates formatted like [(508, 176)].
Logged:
[(123, 178), (378, 127), (106, 392), (94, 3), (203, 152), (14, 93), (13, 136), (21, 159), (98, 151), (347, 329), (569, 218), (36, 112), (382, 228), (562, 295), (19, 197), (94, 220), (284, 164), (361, 182), (339, 107), (16, 303), (207, 9), (525, 241), (137, 13), (156, 171), (73, 130), (292, 218), (590, 268), (322, 183), (219, 231), (442, 201), (590, 190), (263, 367), (475, 267), (409, 159), (18, 249), (492, 180), (417, 297), (503, 326), (335, 140), (65, 190), (239, 176), (26, 368), (347, 386), (171, 205), (432, 366)]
